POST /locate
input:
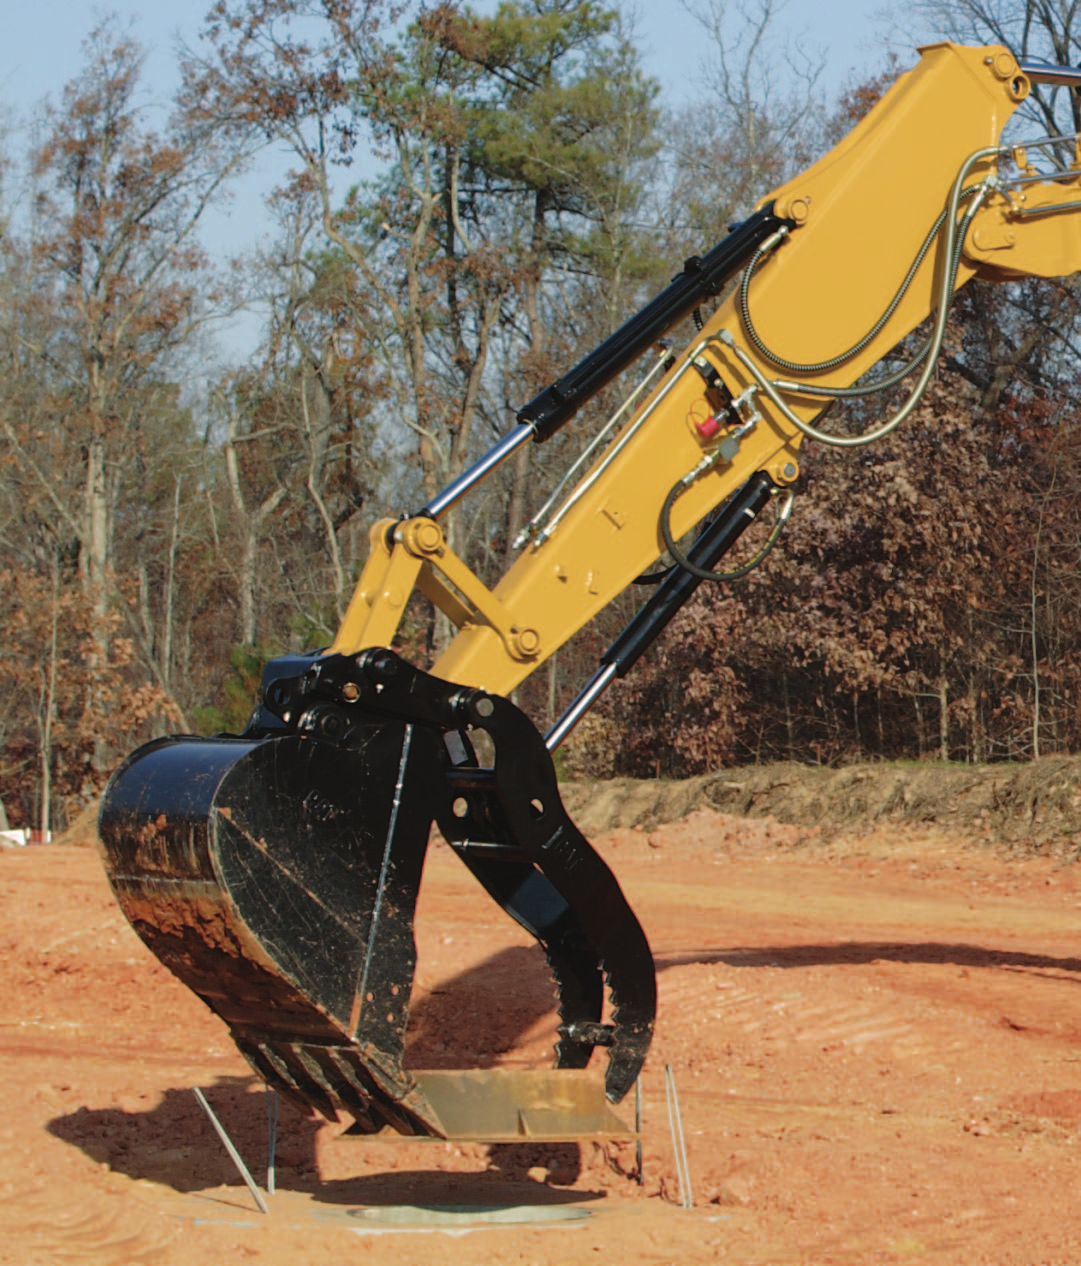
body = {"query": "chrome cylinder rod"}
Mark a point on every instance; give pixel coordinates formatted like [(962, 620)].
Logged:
[(594, 688), (1041, 72), (454, 492)]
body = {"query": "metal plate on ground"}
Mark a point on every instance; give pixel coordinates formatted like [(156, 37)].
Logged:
[(507, 1105), (462, 1215)]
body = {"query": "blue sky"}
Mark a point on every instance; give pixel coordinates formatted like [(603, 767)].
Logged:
[(41, 42), (41, 50)]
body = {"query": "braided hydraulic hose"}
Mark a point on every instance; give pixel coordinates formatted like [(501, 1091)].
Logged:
[(824, 366), (681, 559), (898, 375), (953, 244)]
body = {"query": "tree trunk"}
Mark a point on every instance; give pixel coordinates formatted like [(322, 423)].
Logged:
[(1035, 647), (96, 511), (788, 721), (531, 298), (921, 734), (48, 706), (553, 687), (317, 420), (251, 527), (165, 658)]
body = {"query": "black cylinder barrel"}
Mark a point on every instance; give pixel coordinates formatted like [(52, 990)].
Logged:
[(703, 276)]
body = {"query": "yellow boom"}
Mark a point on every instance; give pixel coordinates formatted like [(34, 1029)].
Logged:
[(856, 221)]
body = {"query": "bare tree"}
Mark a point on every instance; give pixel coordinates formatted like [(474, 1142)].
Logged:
[(1031, 30), (115, 250), (763, 117)]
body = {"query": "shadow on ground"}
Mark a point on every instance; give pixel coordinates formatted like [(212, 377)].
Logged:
[(470, 1021), (175, 1144), (862, 952)]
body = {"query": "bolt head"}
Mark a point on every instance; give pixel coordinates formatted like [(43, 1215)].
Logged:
[(428, 536), (528, 641), (383, 667)]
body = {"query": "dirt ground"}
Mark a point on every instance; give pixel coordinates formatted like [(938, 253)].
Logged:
[(876, 1037)]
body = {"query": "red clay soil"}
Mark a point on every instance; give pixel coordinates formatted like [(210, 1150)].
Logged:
[(876, 1041)]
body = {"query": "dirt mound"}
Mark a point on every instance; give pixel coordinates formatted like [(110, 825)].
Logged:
[(1035, 805), (83, 831)]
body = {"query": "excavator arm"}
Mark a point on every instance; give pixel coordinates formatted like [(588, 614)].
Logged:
[(276, 873), (829, 251)]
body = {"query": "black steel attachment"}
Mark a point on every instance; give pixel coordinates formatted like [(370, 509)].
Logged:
[(276, 874), (716, 539)]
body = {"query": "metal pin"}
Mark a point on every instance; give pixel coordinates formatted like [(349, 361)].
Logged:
[(256, 1194), (679, 1145)]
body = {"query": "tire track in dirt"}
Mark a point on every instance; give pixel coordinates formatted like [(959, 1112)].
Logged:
[(138, 1047), (707, 997), (915, 1235), (758, 1011), (44, 1225)]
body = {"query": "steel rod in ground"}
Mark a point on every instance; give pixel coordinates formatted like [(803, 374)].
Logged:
[(679, 1145), (638, 1130), (272, 1136), (255, 1192)]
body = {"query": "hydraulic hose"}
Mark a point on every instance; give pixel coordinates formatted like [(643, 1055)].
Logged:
[(824, 366), (686, 564), (952, 257)]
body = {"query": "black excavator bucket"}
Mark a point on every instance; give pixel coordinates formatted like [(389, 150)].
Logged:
[(276, 874)]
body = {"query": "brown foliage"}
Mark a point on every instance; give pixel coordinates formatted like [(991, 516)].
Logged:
[(915, 607), (63, 700)]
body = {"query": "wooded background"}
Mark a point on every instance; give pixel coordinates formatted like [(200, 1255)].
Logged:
[(159, 543)]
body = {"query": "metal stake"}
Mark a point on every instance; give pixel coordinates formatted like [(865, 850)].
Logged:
[(272, 1136), (256, 1194), (679, 1145), (638, 1129)]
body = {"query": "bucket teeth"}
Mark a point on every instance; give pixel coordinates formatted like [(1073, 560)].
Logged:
[(331, 1077), (290, 1072)]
